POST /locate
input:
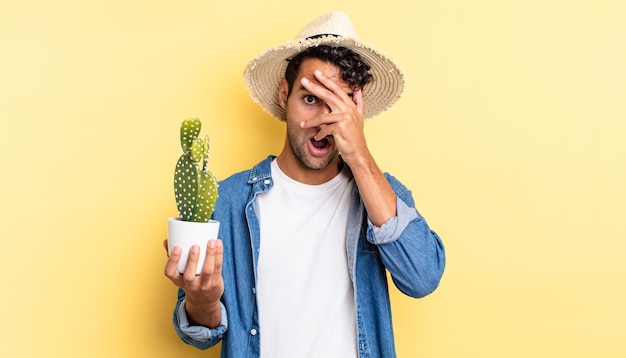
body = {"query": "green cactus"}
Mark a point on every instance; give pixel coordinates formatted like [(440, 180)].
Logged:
[(195, 186)]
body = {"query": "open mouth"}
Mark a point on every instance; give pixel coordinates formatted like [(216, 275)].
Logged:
[(320, 148), (320, 144)]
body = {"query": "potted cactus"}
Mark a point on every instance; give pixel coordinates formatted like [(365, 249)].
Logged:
[(195, 189)]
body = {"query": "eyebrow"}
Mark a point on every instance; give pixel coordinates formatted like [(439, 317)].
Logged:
[(350, 94)]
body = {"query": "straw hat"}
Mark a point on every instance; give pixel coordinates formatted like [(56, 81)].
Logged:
[(263, 74)]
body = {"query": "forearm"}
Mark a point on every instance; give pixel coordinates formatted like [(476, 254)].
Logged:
[(377, 195)]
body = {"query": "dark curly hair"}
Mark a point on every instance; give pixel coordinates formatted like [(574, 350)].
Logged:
[(353, 69)]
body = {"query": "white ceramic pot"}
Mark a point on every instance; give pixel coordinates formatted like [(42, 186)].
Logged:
[(186, 234)]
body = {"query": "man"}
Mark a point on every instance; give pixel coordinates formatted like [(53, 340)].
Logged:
[(307, 237)]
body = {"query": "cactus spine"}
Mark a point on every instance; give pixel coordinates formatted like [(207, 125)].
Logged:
[(195, 186)]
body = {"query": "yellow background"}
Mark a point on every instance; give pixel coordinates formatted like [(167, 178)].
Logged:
[(510, 134)]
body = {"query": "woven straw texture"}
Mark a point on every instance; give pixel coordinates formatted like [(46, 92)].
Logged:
[(263, 73)]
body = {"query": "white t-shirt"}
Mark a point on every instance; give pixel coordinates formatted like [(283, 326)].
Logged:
[(305, 295)]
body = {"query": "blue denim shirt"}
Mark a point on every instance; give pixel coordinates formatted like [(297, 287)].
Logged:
[(405, 246)]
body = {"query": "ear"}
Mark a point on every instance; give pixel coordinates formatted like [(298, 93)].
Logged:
[(283, 93)]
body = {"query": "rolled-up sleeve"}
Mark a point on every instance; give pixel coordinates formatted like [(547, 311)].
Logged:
[(413, 254), (198, 336), (391, 230)]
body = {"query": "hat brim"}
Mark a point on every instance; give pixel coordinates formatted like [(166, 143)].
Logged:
[(263, 74)]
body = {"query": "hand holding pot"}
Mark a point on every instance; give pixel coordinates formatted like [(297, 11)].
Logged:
[(202, 291)]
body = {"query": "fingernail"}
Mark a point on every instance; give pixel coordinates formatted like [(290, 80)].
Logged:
[(211, 244), (176, 250), (318, 72)]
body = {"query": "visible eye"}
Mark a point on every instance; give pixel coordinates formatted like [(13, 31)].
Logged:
[(309, 99)]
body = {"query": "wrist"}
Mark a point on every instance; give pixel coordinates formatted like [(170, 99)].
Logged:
[(203, 314), (357, 159)]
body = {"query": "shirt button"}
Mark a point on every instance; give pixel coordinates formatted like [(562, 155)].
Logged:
[(267, 181), (254, 290), (253, 332)]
